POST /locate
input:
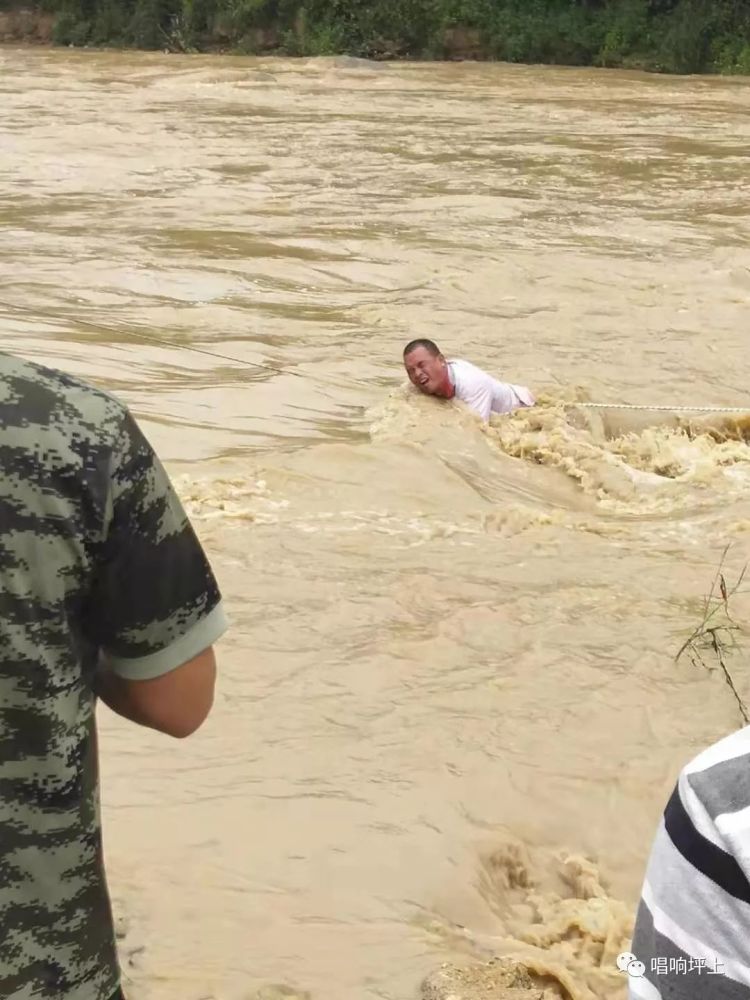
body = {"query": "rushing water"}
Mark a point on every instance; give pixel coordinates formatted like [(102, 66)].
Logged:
[(449, 712)]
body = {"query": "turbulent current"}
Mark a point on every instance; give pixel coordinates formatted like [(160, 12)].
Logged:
[(449, 712)]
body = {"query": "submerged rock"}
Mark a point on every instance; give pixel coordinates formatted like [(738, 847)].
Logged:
[(279, 991), (354, 62), (493, 980)]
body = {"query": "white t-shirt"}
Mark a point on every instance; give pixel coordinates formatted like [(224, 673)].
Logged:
[(483, 393)]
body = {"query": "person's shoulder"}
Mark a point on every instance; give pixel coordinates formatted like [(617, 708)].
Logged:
[(719, 777), (705, 813), (463, 363), (44, 396), (467, 370), (731, 748)]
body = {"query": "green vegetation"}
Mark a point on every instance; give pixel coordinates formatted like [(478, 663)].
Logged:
[(711, 644), (672, 36)]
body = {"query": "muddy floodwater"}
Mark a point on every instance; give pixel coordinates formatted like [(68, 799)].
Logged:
[(449, 713)]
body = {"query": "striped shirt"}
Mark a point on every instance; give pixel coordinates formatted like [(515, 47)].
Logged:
[(692, 932)]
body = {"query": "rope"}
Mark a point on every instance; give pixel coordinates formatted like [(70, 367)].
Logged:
[(99, 328), (666, 409)]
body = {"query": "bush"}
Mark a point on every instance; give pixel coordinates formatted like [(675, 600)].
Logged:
[(110, 24), (685, 44), (677, 36), (70, 29), (628, 33)]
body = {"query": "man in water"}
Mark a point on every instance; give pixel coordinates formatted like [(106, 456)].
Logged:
[(432, 374), (104, 593)]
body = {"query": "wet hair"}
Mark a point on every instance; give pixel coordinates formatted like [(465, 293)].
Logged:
[(429, 345)]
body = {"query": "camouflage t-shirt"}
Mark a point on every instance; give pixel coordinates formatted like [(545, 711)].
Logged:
[(97, 560)]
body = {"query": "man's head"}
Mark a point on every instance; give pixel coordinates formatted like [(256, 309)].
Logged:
[(427, 368)]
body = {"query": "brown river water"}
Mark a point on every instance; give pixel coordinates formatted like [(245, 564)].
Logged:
[(449, 712)]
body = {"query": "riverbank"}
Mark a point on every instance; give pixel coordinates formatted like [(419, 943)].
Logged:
[(667, 36), (27, 26)]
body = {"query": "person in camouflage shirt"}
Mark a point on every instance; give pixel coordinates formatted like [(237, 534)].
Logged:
[(104, 592)]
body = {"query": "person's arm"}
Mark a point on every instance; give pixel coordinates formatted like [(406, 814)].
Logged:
[(176, 703), (156, 609), (508, 397), (475, 388), (485, 395)]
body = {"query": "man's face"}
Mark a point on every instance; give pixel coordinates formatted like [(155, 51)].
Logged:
[(426, 371)]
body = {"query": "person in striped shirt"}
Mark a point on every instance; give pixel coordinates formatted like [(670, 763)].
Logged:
[(692, 930)]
